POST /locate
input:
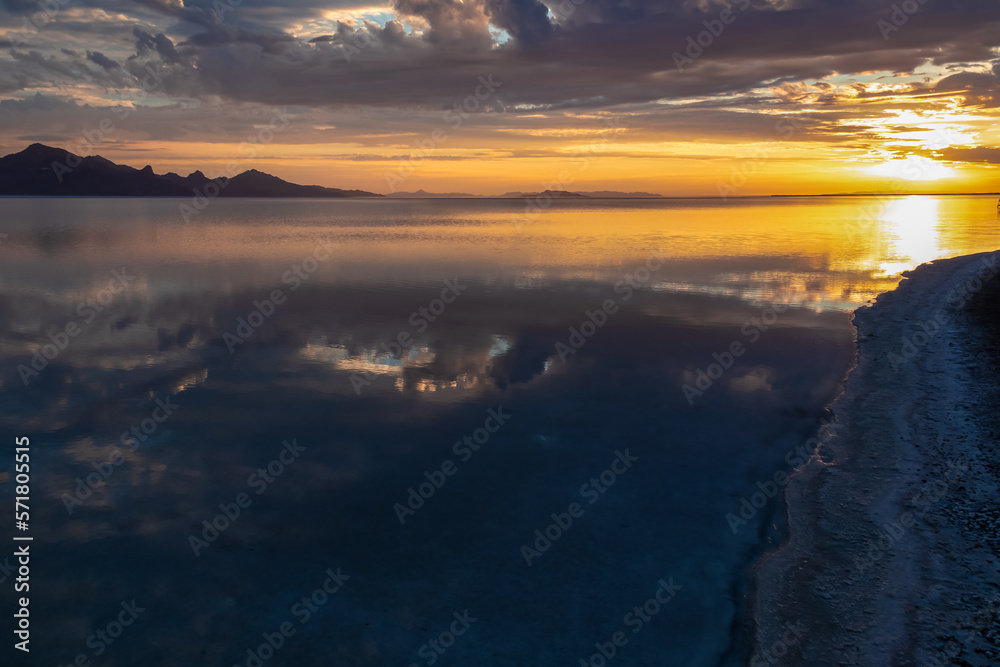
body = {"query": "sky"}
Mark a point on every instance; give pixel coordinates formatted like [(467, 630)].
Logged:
[(674, 97)]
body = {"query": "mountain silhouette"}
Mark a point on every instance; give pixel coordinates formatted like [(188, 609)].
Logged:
[(43, 171)]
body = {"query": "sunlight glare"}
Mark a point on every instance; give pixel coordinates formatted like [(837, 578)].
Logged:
[(913, 168), (911, 226)]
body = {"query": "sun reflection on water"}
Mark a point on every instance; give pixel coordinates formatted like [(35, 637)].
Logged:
[(912, 228)]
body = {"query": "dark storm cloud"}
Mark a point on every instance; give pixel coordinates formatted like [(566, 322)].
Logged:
[(598, 53), (160, 44), (34, 69), (102, 60), (217, 31), (622, 54), (19, 6), (41, 66), (525, 20)]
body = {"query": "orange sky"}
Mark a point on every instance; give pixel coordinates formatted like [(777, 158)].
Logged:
[(936, 152)]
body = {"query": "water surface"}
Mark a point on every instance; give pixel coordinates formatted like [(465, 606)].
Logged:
[(687, 279)]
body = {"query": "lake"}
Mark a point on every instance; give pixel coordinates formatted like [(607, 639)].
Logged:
[(413, 432)]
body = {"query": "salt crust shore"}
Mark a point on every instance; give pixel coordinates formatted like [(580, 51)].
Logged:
[(894, 525)]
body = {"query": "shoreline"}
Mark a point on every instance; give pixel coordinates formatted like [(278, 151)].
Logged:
[(893, 549)]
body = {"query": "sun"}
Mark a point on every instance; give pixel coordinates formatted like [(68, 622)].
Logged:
[(913, 168)]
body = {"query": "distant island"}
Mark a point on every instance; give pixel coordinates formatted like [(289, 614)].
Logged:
[(547, 193), (421, 194), (43, 171), (599, 194)]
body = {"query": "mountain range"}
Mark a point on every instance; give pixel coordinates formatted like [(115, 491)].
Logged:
[(421, 194), (43, 171)]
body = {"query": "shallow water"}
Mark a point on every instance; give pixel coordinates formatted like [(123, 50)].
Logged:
[(679, 282)]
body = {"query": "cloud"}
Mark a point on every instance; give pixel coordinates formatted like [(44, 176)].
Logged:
[(983, 155), (102, 60), (19, 6), (600, 53), (451, 24), (585, 65), (525, 20), (159, 44), (978, 90)]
